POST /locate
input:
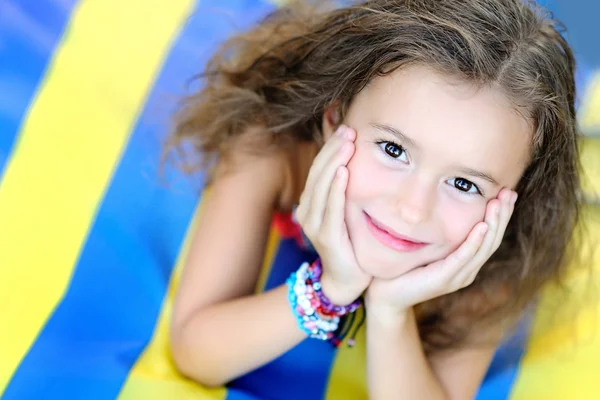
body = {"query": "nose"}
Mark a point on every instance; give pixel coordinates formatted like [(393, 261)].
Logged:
[(415, 200)]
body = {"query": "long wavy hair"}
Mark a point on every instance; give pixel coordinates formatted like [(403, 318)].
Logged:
[(282, 74)]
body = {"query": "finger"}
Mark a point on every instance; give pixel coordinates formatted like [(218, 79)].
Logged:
[(491, 218), (497, 216), (329, 150), (323, 185), (333, 221), (504, 217), (461, 258), (465, 252)]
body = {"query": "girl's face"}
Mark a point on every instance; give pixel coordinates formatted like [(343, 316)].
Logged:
[(430, 153)]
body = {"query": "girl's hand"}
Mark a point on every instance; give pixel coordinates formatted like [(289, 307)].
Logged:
[(321, 215), (455, 272)]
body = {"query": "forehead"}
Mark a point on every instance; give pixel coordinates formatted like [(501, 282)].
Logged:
[(451, 122)]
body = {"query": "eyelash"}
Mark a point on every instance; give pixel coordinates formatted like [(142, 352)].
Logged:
[(477, 190), (385, 143)]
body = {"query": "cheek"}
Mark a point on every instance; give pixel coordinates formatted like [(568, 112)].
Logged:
[(365, 176), (458, 219)]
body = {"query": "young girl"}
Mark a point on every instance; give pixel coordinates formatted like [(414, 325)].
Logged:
[(399, 133)]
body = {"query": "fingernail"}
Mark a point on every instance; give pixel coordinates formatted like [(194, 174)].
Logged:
[(497, 210), (340, 130)]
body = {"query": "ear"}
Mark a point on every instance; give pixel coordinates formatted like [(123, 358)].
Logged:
[(331, 120)]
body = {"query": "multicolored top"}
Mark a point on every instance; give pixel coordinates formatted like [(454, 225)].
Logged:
[(288, 228)]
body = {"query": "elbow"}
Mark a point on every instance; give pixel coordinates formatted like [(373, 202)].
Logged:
[(187, 360)]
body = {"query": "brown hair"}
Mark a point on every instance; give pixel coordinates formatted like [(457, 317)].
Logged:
[(288, 69)]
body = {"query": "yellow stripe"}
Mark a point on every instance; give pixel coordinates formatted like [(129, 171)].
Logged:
[(590, 108), (590, 160), (69, 145), (271, 251), (154, 375), (561, 361), (348, 379)]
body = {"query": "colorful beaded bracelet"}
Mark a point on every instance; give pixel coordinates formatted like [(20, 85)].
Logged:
[(315, 271), (315, 313), (305, 306)]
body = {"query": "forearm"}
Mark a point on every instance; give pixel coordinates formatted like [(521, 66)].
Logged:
[(396, 364), (227, 340)]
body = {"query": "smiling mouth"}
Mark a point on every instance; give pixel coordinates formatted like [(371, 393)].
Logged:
[(390, 238)]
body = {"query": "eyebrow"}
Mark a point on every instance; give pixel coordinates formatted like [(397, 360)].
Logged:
[(479, 174), (408, 141), (390, 129)]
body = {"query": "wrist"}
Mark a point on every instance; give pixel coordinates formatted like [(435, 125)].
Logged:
[(339, 294), (387, 314)]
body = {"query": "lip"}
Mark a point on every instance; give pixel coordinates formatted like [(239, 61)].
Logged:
[(390, 238)]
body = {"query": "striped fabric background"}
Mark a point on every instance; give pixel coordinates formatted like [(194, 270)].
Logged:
[(91, 238)]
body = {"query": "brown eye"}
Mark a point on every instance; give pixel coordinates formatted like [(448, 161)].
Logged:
[(464, 185), (393, 150)]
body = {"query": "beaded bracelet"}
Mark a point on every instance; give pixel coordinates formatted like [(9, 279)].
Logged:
[(305, 305), (315, 313), (315, 271)]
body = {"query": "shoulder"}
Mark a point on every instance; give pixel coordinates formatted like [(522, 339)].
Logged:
[(283, 168), (251, 160), (299, 159)]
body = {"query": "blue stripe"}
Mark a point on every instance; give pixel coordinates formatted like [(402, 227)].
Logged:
[(29, 32), (503, 371), (301, 373), (109, 312), (581, 19)]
